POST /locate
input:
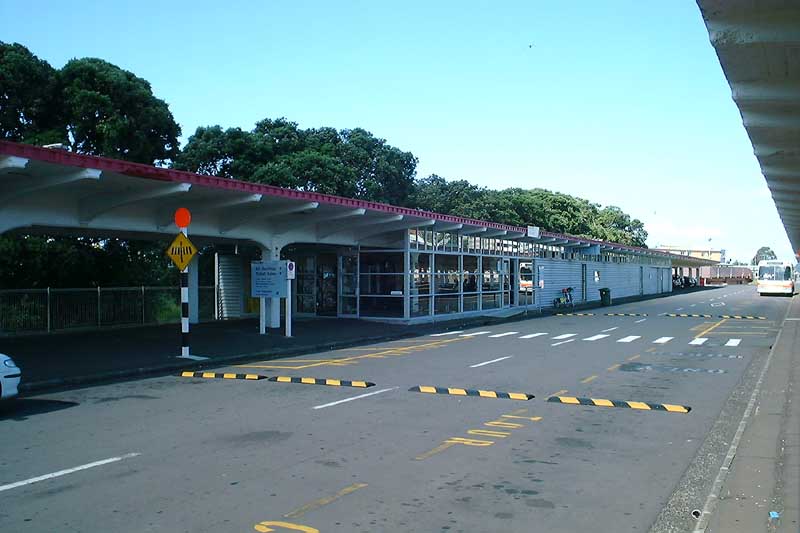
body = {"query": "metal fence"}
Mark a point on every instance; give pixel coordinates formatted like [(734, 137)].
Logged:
[(47, 310)]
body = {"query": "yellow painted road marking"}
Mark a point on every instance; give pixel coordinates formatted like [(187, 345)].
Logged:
[(633, 358), (440, 448), (263, 527), (558, 392), (602, 403), (590, 378), (469, 442), (532, 418), (715, 326), (501, 424), (489, 433), (456, 392), (569, 399), (316, 504), (675, 408), (426, 388), (639, 405), (301, 364), (650, 350), (612, 367)]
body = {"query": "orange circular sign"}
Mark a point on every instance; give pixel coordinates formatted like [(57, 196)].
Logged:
[(182, 217)]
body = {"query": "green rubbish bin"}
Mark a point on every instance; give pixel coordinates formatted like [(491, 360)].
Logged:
[(605, 296)]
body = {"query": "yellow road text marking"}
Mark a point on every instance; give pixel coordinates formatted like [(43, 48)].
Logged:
[(264, 527), (440, 448), (633, 358), (316, 504)]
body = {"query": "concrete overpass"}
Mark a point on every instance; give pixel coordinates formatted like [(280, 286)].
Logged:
[(758, 45)]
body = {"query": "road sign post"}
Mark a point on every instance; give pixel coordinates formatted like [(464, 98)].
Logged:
[(182, 251), (272, 279)]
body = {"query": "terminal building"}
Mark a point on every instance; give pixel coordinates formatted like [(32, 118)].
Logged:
[(354, 258)]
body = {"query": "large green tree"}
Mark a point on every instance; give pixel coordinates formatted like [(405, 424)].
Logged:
[(764, 253), (351, 162), (28, 103), (112, 112)]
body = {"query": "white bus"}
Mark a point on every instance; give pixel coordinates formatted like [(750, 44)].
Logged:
[(776, 277)]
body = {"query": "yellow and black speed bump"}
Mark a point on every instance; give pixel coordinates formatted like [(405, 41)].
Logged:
[(626, 314), (453, 391), (322, 381), (574, 314), (215, 375), (690, 315), (671, 408), (743, 317)]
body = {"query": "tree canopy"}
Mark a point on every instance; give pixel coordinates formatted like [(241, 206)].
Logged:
[(350, 162), (764, 253), (90, 105), (552, 211)]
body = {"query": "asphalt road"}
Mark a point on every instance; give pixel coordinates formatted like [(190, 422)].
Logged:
[(247, 455)]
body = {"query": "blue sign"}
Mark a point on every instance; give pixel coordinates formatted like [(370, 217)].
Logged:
[(268, 279)]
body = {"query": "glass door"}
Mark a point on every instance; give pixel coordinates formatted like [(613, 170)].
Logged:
[(305, 286), (327, 286), (348, 285)]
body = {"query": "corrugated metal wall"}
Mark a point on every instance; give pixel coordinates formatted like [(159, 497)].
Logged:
[(557, 275), (651, 280), (230, 303)]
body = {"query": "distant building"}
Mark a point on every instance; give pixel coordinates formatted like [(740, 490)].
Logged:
[(705, 253)]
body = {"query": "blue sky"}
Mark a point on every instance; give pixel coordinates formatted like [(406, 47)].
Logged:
[(620, 102)]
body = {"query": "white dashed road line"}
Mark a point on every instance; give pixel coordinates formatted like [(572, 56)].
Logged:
[(562, 342), (733, 342), (639, 321), (630, 338), (447, 333), (596, 337), (507, 333), (699, 341), (564, 336), (532, 335), (475, 334), (662, 340), (492, 361), (67, 471), (324, 405), (610, 329)]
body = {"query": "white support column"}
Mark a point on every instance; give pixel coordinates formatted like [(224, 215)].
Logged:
[(275, 303), (407, 281), (432, 293), (194, 293)]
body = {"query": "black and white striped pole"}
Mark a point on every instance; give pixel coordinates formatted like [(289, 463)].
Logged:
[(182, 219)]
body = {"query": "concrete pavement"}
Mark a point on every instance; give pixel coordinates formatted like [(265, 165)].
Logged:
[(234, 455)]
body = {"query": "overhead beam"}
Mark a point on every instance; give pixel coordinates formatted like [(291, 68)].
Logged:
[(474, 231), (318, 218), (330, 229), (49, 183), (494, 233), (387, 228), (165, 214), (232, 222), (95, 205), (439, 226)]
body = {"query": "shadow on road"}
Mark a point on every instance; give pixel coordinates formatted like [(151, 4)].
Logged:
[(22, 409)]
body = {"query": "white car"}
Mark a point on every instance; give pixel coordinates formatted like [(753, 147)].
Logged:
[(9, 377)]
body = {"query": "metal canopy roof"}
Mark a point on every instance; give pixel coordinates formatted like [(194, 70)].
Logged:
[(54, 189), (758, 45)]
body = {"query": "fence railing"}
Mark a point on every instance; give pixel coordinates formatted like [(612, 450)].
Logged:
[(47, 310)]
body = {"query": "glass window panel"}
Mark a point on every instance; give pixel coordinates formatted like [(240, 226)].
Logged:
[(381, 262), (381, 306), (388, 284), (447, 283), (349, 284), (420, 283), (446, 263), (420, 262), (420, 305), (446, 305), (491, 301), (348, 305), (471, 302)]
